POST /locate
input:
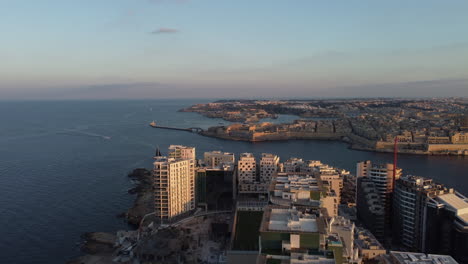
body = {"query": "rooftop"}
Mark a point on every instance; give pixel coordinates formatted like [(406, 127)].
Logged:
[(364, 239), (292, 220), (291, 182), (421, 258), (179, 147), (269, 155), (456, 202), (219, 152)]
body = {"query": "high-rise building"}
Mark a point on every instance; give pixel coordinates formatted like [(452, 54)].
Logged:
[(383, 176), (217, 158), (446, 226), (248, 183), (370, 209), (430, 218), (409, 203), (181, 152), (268, 166), (174, 185)]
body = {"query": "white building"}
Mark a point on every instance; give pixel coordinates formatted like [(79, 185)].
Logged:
[(247, 168), (268, 166), (181, 152), (303, 189), (174, 187), (331, 175), (218, 158)]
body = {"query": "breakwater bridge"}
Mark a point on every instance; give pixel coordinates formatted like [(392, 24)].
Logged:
[(190, 129)]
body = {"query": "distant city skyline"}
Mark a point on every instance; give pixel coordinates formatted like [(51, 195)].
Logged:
[(232, 49)]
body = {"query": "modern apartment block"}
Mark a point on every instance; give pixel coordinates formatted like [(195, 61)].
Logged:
[(247, 168), (247, 172), (409, 203), (217, 158), (430, 218), (370, 209), (383, 176), (268, 166), (446, 226), (174, 185), (181, 152)]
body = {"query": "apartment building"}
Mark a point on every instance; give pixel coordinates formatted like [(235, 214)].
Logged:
[(174, 187), (217, 158), (268, 166), (181, 152)]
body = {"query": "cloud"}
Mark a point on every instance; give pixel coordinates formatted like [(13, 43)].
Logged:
[(164, 30)]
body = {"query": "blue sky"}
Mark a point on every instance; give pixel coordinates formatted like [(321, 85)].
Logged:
[(219, 48)]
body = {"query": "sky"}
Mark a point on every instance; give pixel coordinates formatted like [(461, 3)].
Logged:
[(117, 49)]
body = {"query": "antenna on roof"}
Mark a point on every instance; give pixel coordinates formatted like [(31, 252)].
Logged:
[(158, 152)]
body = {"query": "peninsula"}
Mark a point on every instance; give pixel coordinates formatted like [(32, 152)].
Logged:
[(421, 126)]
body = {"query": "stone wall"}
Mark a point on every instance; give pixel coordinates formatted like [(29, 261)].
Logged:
[(444, 147)]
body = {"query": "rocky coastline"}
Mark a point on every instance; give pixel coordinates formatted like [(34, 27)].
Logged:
[(99, 247)]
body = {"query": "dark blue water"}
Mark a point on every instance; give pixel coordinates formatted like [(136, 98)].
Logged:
[(63, 167)]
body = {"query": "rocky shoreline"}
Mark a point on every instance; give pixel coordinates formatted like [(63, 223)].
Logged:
[(99, 247), (144, 200)]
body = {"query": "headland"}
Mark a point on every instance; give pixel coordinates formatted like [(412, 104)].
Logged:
[(420, 126)]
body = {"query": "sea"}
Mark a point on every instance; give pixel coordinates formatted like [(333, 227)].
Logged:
[(64, 166)]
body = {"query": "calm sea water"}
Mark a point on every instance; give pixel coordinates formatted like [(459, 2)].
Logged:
[(63, 167)]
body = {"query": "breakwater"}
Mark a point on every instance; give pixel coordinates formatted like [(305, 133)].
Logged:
[(190, 129)]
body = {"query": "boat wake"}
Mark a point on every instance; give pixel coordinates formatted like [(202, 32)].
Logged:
[(84, 133)]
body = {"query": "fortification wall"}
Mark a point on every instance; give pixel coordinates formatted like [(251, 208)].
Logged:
[(444, 147)]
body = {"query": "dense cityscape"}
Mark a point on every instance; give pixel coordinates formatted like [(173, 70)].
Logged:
[(421, 126), (228, 208), (234, 132)]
